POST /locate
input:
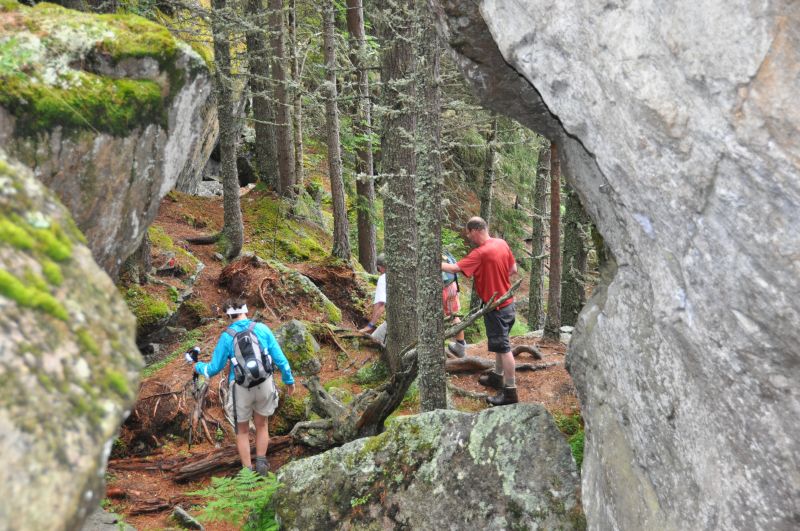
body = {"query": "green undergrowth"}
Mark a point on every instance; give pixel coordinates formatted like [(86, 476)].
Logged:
[(149, 308), (278, 236), (163, 243), (572, 427), (192, 338), (242, 501), (42, 87)]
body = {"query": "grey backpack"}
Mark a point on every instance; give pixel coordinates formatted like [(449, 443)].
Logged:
[(250, 364)]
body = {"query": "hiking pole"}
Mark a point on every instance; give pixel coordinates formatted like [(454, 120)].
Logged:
[(194, 354)]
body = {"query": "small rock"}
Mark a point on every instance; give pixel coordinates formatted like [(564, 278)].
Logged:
[(567, 329), (218, 257)]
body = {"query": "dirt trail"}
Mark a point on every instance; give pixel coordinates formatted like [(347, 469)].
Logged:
[(183, 217)]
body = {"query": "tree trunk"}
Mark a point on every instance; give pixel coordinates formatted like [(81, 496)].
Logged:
[(487, 192), (233, 230), (539, 208), (430, 317), (297, 98), (266, 149), (399, 95), (341, 231), (283, 126), (552, 323), (362, 126), (573, 292)]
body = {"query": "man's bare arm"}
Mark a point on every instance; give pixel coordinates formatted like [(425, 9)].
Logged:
[(450, 268)]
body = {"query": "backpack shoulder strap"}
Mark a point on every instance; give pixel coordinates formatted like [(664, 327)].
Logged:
[(252, 326), (231, 332)]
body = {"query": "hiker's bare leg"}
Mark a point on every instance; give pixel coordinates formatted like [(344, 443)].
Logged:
[(243, 443), (459, 336), (509, 366), (262, 434)]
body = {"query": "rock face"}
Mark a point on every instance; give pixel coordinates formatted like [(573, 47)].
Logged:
[(68, 361), (439, 470), (677, 126), (299, 346), (110, 111)]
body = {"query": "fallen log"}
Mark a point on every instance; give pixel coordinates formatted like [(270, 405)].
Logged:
[(151, 505), (538, 366), (223, 459), (467, 364)]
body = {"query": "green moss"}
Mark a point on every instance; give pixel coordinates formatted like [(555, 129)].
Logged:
[(15, 236), (137, 37), (93, 102), (30, 296), (36, 281), (87, 342), (372, 374), (147, 309), (9, 5), (52, 272), (116, 382)]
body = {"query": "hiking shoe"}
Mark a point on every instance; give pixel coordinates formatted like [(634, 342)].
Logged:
[(459, 350), (508, 395), (491, 379), (262, 467)]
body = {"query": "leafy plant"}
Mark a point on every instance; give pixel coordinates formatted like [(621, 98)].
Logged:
[(241, 500), (572, 427)]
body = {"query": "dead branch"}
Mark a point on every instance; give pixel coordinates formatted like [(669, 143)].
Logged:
[(488, 307), (264, 299), (460, 391), (467, 364), (223, 459), (539, 367), (533, 350)]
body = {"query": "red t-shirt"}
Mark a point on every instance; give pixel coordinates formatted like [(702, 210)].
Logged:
[(491, 265)]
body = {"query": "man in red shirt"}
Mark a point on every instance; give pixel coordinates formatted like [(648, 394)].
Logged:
[(491, 265)]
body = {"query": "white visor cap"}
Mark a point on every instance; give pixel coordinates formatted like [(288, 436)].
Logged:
[(237, 311)]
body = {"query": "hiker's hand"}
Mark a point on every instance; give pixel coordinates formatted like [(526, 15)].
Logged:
[(290, 390), (188, 357)]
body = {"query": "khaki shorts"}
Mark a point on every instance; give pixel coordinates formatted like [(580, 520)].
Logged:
[(262, 399)]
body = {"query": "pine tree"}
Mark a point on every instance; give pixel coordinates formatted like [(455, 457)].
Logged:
[(539, 208), (552, 323)]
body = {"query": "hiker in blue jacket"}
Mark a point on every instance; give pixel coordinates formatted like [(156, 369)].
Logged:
[(243, 403)]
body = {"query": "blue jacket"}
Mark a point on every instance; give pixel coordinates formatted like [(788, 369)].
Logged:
[(224, 351)]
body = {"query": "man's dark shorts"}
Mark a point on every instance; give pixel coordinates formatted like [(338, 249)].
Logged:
[(498, 325)]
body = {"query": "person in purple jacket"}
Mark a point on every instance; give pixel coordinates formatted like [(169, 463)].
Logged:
[(256, 403)]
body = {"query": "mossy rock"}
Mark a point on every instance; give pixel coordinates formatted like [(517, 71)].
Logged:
[(68, 342), (115, 91), (290, 411), (299, 346)]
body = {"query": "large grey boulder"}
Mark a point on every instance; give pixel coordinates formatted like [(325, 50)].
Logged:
[(676, 122), (68, 361), (111, 112), (504, 468)]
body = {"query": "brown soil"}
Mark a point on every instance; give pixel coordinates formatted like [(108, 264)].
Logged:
[(159, 423)]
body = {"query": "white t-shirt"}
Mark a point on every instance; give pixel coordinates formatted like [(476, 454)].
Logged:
[(380, 290)]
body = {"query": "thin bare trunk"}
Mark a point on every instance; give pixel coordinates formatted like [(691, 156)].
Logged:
[(362, 125), (399, 165), (487, 192), (341, 238), (266, 149), (232, 230), (283, 116), (552, 323), (432, 376), (539, 208), (297, 97)]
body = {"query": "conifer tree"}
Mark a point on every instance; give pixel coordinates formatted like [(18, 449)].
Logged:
[(552, 323)]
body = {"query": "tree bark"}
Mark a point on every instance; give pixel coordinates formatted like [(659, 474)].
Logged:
[(487, 192), (432, 378), (297, 98), (266, 149), (399, 95), (233, 230), (283, 126), (341, 230), (539, 208), (573, 292), (552, 322), (362, 126)]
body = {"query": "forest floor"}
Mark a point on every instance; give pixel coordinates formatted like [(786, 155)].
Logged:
[(153, 443)]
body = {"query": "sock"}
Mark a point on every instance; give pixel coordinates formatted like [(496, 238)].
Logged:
[(510, 383), (261, 458), (461, 342), (498, 364)]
